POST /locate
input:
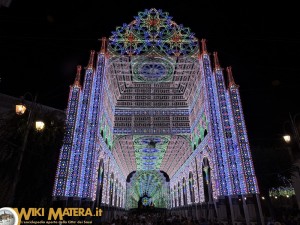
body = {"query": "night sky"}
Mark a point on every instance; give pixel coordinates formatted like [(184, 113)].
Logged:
[(41, 42)]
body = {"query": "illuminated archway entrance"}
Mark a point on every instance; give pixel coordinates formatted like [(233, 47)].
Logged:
[(147, 188)]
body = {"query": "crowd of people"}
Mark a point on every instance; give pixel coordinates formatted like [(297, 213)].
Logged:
[(158, 219), (163, 219)]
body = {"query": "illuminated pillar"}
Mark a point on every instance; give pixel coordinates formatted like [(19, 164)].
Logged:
[(187, 191), (243, 150), (105, 180), (175, 196), (171, 194), (89, 165), (216, 126), (242, 137), (182, 193), (196, 182), (76, 159), (119, 195), (235, 174), (108, 188), (64, 157), (200, 180)]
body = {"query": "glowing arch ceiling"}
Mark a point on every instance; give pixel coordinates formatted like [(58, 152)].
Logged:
[(154, 80)]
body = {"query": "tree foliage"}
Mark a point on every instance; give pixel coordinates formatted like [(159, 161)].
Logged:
[(271, 164), (38, 166)]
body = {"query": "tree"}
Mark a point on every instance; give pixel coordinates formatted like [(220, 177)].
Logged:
[(38, 166), (272, 163)]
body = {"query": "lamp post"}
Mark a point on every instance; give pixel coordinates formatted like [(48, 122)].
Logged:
[(287, 138), (39, 125), (296, 138)]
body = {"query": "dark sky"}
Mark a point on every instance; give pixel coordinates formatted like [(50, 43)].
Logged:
[(41, 42)]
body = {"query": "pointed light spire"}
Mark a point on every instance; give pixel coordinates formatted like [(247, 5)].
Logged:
[(230, 77), (103, 45), (203, 42), (91, 61), (77, 78), (216, 61)]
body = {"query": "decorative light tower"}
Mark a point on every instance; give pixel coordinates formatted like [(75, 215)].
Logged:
[(66, 150)]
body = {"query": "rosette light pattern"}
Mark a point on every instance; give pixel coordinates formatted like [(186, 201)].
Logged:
[(153, 30), (152, 69)]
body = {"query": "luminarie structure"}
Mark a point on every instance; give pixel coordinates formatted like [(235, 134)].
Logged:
[(155, 118)]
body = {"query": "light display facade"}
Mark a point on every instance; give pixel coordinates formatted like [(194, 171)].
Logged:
[(153, 104)]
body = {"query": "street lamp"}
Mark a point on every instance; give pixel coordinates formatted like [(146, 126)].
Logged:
[(20, 109), (39, 126), (296, 136), (287, 138)]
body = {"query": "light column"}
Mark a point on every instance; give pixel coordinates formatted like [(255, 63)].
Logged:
[(65, 152)]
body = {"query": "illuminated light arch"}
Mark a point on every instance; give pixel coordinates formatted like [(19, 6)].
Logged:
[(206, 155), (148, 183), (153, 102), (206, 171)]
